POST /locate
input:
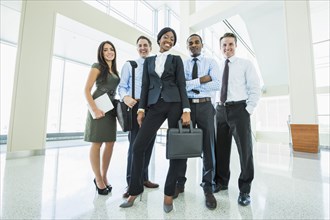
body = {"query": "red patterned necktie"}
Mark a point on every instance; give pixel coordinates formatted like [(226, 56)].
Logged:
[(224, 86)]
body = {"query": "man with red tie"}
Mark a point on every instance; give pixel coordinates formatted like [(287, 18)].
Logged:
[(240, 92)]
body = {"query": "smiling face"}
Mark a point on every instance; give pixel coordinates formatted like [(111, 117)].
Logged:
[(166, 42), (143, 48), (108, 52), (228, 47), (194, 45)]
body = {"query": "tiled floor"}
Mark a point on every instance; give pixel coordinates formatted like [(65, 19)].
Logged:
[(59, 186)]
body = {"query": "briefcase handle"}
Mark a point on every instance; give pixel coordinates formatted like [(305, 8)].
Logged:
[(180, 127)]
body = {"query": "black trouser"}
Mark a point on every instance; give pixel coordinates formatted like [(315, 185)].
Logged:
[(157, 114), (202, 115), (131, 137), (234, 120)]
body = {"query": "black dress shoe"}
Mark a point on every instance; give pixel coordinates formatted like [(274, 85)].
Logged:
[(244, 199), (210, 201), (178, 190), (218, 187)]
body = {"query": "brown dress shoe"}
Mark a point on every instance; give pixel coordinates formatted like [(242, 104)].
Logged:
[(149, 184), (177, 192)]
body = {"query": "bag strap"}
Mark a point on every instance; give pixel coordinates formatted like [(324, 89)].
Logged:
[(134, 65)]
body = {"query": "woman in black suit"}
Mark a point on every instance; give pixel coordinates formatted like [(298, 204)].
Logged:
[(164, 94)]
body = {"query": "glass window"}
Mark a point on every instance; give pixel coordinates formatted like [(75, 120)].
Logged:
[(272, 114), (145, 16), (208, 38), (99, 4), (161, 19), (323, 105), (119, 16), (74, 108), (321, 62), (124, 8), (319, 20), (7, 68), (324, 126), (55, 96), (200, 5), (10, 21), (320, 34), (175, 23)]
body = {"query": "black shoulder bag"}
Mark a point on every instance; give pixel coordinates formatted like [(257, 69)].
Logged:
[(125, 113)]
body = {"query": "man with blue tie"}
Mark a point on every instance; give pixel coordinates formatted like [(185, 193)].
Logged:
[(240, 92), (125, 92), (202, 81)]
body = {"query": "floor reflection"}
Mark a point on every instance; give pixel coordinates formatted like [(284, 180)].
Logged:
[(58, 185)]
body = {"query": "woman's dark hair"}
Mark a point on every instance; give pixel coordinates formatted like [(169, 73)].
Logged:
[(103, 64), (164, 31)]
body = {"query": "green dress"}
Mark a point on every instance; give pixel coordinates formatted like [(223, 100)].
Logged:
[(104, 129)]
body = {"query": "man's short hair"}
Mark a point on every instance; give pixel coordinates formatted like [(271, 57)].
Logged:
[(229, 35), (196, 35), (145, 38)]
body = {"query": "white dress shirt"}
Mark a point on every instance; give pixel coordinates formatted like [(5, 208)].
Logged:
[(160, 62), (243, 82)]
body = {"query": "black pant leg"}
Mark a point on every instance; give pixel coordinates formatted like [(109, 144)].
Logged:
[(177, 166), (223, 147), (147, 158), (204, 113), (243, 138), (151, 123), (131, 138)]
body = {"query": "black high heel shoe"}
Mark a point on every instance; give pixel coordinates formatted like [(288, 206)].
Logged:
[(104, 191), (128, 204)]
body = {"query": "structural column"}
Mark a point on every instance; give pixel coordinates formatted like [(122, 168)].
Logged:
[(27, 129), (304, 126)]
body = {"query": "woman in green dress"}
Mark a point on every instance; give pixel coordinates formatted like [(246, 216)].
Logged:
[(103, 128)]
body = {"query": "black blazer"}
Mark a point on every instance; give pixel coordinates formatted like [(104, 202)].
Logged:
[(171, 86)]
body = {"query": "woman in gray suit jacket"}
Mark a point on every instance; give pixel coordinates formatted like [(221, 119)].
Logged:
[(164, 94)]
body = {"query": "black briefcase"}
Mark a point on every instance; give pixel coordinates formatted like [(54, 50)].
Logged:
[(183, 143)]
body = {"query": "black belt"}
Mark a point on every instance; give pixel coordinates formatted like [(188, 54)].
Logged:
[(232, 103), (200, 100)]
